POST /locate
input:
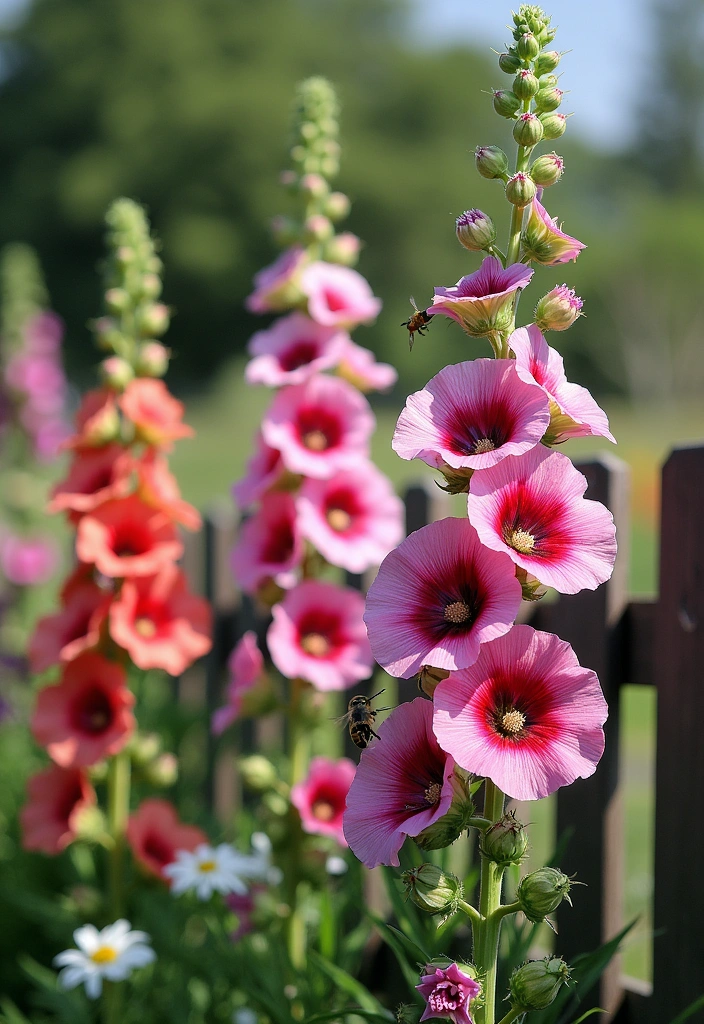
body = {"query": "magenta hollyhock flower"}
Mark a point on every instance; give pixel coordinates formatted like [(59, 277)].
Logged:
[(437, 597), (545, 242), (533, 509), (403, 784), (269, 545), (263, 471), (276, 287), (472, 415), (574, 413), (318, 634), (359, 366), (338, 296), (320, 798), (28, 561), (354, 519), (246, 665), (291, 350), (319, 427), (526, 715), (448, 991), (483, 301)]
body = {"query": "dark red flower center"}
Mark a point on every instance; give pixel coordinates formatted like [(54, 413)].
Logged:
[(66, 803), (531, 523), (320, 633), (479, 429), (157, 848), (92, 712), (334, 300), (131, 539), (318, 428), (342, 507), (327, 803), (279, 543), (299, 354)]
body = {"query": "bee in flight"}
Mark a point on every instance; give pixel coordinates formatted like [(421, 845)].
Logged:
[(360, 719), (418, 322)]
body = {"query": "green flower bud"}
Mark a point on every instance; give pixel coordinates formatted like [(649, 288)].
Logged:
[(506, 103), (144, 747), (456, 480), (536, 984), (491, 162), (406, 1013), (553, 125), (151, 286), (337, 206), (506, 841), (509, 63), (525, 85), (475, 230), (541, 892), (531, 588), (117, 300), (152, 359), (527, 130), (154, 319), (558, 310), (527, 47), (313, 185), (318, 228), (520, 189), (548, 81), (343, 248), (547, 169), (530, 18), (163, 771), (546, 62), (89, 824), (433, 890), (445, 830), (258, 773), (548, 99), (116, 372)]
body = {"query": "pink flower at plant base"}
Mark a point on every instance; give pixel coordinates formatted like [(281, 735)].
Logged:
[(269, 545), (56, 798), (437, 597), (448, 991), (76, 627), (526, 715), (402, 785), (482, 302), (276, 287), (318, 634), (291, 350), (472, 415), (545, 242), (264, 469), (574, 413), (246, 665), (28, 561), (533, 509), (320, 798), (354, 519), (319, 427), (338, 296), (359, 366)]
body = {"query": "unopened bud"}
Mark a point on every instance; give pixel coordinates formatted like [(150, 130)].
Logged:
[(151, 285), (553, 125), (475, 230), (456, 480), (154, 319), (506, 103), (506, 841), (314, 185), (116, 372), (453, 823), (152, 359), (546, 62), (547, 169), (535, 985), (527, 130), (144, 747), (318, 228), (491, 162), (509, 63), (337, 206), (528, 47), (548, 81), (548, 99), (432, 889), (520, 189), (406, 1013), (531, 588), (343, 248), (125, 255), (558, 310), (117, 300), (429, 678), (258, 773), (541, 892), (163, 771), (89, 824), (525, 84), (107, 335)]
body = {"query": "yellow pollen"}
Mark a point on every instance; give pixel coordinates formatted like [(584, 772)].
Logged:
[(513, 721), (483, 445), (104, 955), (522, 541), (323, 811), (145, 627), (457, 613), (206, 866), (315, 440), (315, 644), (432, 793), (339, 519)]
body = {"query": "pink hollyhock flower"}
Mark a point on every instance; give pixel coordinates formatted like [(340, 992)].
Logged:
[(526, 715), (482, 302), (448, 991), (263, 471), (276, 287), (156, 414), (56, 799), (158, 487), (246, 665), (533, 509), (28, 561), (545, 242), (354, 519), (338, 296), (126, 537), (62, 636), (437, 597), (155, 834), (320, 798), (472, 415), (403, 784), (269, 545), (95, 476), (318, 634), (359, 366), (573, 411), (291, 350), (49, 438), (319, 427)]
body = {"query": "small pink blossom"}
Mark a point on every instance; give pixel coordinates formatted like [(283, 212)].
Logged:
[(264, 469), (319, 427), (269, 545), (276, 287), (354, 519), (437, 597), (545, 242), (483, 301), (533, 509), (403, 784), (291, 350), (472, 415), (320, 798), (246, 665), (43, 333), (574, 413), (338, 296), (448, 991), (359, 366), (318, 634), (526, 715), (28, 561)]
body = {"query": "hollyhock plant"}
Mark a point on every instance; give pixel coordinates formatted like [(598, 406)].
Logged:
[(156, 834), (97, 420), (320, 798), (545, 242), (95, 475), (157, 416), (264, 470), (56, 799), (534, 510), (291, 350), (482, 302), (62, 636), (526, 715), (246, 666), (448, 993), (437, 597), (158, 487), (269, 545), (276, 287), (359, 366), (338, 296), (127, 537)]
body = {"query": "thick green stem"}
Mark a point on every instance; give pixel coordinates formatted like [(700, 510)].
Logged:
[(511, 1016), (112, 1002), (486, 945), (118, 813), (513, 249), (471, 912), (299, 739)]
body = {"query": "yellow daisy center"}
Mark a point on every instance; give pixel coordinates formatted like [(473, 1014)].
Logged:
[(206, 866), (104, 955)]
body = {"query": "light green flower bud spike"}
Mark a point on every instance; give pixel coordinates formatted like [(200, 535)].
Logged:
[(22, 292)]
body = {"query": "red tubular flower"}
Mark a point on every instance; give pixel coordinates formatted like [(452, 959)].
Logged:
[(88, 715), (155, 834), (156, 414), (96, 475), (127, 537), (56, 797), (62, 637)]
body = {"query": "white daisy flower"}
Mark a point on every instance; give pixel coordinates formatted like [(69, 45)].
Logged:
[(209, 869), (112, 953)]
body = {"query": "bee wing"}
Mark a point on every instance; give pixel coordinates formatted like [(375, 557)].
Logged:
[(413, 303), (343, 719)]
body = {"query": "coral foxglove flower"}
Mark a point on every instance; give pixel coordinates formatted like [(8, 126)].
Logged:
[(338, 296), (482, 302), (155, 835), (359, 366), (88, 715), (448, 992), (276, 287), (156, 414), (471, 416), (126, 537), (269, 545), (209, 869), (545, 242), (56, 799), (354, 519), (573, 411), (437, 597), (526, 715), (28, 561), (264, 470), (533, 509), (62, 636), (246, 665), (95, 475), (403, 784), (318, 634), (291, 350), (111, 954), (319, 427), (320, 798), (158, 487)]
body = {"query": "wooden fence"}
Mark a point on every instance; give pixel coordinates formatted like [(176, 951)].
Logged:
[(648, 643)]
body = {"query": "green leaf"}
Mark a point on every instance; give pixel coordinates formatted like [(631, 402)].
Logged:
[(400, 944), (588, 1014), (692, 1008), (349, 1012), (350, 985), (11, 1015)]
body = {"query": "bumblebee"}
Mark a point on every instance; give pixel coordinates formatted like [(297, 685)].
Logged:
[(360, 719), (418, 322)]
